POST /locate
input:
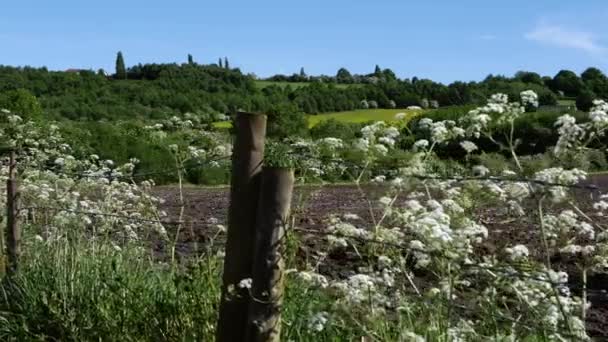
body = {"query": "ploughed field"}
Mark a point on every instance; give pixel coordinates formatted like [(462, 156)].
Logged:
[(312, 206)]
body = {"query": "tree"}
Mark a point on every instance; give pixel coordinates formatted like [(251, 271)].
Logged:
[(592, 74), (547, 98), (219, 63), (584, 101), (121, 71), (378, 71), (226, 65), (568, 82), (21, 102), (596, 81), (529, 77), (285, 120), (344, 76), (190, 59)]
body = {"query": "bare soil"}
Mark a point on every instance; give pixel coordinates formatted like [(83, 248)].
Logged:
[(312, 207)]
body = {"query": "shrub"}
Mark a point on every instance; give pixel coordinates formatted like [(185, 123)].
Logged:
[(286, 120), (584, 101), (336, 129), (493, 161)]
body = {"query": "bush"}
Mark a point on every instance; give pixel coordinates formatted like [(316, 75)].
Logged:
[(336, 129), (534, 163), (21, 102), (209, 175), (584, 101), (285, 121), (547, 98), (496, 162)]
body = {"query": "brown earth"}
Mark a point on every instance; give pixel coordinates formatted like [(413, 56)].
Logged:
[(312, 206)]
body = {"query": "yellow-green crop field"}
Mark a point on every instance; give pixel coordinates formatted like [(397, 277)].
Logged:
[(355, 116)]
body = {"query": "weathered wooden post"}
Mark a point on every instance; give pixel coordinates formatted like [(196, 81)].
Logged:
[(13, 233), (247, 157), (267, 286)]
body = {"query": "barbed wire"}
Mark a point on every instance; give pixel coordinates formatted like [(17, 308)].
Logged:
[(507, 269), (165, 171), (514, 179), (117, 216), (512, 269)]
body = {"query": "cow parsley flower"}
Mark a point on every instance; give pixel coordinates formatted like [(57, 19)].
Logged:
[(317, 322), (468, 146), (518, 252)]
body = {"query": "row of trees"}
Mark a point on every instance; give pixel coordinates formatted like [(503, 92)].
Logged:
[(592, 83), (150, 71), (158, 90)]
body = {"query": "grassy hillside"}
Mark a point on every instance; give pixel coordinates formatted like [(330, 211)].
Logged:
[(362, 115)]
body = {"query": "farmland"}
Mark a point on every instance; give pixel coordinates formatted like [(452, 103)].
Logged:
[(481, 217), (360, 116), (356, 116), (407, 224)]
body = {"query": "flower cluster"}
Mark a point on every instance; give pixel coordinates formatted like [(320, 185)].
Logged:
[(529, 98), (88, 195), (575, 136)]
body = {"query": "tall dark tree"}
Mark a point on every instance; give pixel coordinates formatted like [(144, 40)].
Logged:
[(190, 59), (226, 64), (220, 63), (378, 71), (121, 70)]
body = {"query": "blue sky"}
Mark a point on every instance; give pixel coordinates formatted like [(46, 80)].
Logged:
[(442, 40)]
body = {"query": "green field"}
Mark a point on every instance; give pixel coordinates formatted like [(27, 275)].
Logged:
[(566, 102), (362, 115), (295, 85)]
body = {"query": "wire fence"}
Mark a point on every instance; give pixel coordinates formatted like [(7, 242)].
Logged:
[(118, 175), (522, 270)]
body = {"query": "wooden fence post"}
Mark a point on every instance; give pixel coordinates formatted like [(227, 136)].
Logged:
[(264, 324), (13, 233), (247, 158)]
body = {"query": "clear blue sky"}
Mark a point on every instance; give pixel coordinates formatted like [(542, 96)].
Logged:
[(442, 40)]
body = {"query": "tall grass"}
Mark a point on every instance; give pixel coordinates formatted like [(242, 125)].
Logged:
[(92, 291)]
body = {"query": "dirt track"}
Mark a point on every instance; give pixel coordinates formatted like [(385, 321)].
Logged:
[(313, 205)]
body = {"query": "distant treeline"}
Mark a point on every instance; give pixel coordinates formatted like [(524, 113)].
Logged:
[(158, 90)]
